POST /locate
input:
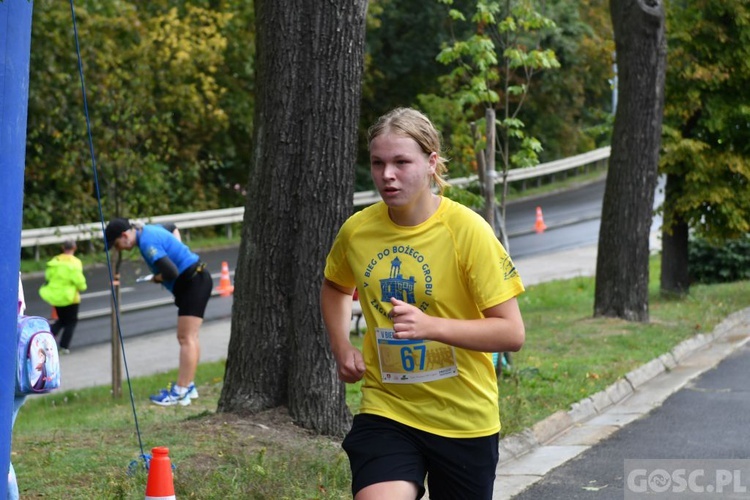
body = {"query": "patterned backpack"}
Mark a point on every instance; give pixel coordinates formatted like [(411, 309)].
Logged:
[(38, 363)]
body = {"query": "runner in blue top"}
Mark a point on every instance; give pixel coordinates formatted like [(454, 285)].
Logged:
[(181, 272), (155, 243)]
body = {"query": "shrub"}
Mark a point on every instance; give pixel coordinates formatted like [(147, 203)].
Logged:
[(723, 263)]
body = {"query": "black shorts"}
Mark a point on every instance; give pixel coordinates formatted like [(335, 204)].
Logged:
[(192, 289), (381, 449)]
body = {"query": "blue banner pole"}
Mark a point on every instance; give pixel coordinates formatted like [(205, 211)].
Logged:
[(15, 52)]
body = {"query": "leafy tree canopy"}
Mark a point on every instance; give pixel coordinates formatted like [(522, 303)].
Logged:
[(707, 117), (171, 95), (155, 105)]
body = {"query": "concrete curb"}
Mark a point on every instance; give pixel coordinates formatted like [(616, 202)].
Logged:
[(516, 445)]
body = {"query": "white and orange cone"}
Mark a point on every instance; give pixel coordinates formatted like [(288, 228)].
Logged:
[(539, 226), (225, 287)]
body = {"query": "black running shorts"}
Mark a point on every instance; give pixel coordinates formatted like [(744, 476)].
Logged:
[(381, 449), (192, 289)]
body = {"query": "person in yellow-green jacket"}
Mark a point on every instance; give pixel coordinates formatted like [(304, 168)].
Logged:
[(64, 282)]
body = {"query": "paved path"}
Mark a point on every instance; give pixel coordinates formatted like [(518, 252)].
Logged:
[(697, 433), (530, 457)]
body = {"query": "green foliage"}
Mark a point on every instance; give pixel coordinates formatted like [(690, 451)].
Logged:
[(402, 39), (706, 139), (465, 197), (571, 109), (156, 105), (57, 182), (231, 152), (492, 68), (170, 88), (456, 131), (724, 263)]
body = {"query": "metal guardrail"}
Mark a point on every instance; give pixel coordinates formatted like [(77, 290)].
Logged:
[(94, 230), (518, 174)]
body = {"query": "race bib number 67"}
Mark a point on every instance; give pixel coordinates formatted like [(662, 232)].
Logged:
[(410, 361)]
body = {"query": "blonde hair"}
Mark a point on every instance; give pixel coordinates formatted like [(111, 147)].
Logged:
[(411, 123)]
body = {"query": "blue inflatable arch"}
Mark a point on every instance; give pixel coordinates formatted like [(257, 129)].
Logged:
[(15, 47)]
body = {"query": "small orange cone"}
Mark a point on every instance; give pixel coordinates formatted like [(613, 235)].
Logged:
[(539, 226), (53, 316), (160, 484), (225, 287)]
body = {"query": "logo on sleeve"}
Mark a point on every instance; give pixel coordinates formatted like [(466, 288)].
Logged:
[(509, 269)]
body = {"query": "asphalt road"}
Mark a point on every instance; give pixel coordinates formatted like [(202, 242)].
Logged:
[(572, 219), (704, 423), (161, 314)]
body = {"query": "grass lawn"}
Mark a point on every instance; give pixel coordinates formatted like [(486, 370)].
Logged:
[(80, 444)]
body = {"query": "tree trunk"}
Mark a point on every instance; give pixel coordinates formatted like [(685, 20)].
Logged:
[(675, 272), (622, 271), (309, 67)]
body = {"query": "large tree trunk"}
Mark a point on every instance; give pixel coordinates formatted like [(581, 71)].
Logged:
[(675, 272), (622, 270), (309, 67)]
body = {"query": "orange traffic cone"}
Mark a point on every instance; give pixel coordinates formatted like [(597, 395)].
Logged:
[(539, 226), (53, 315), (160, 484), (225, 287)]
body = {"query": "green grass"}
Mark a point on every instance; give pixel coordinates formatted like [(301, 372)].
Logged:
[(79, 444), (569, 355)]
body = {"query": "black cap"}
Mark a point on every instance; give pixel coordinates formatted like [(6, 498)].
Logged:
[(114, 229)]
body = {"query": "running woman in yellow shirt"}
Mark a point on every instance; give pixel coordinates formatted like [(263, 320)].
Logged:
[(438, 293)]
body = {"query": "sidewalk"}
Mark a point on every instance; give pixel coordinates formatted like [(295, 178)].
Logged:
[(527, 457), (146, 355)]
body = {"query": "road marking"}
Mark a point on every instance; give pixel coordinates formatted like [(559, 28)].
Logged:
[(104, 293)]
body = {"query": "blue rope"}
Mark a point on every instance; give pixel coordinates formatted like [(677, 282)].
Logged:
[(133, 466), (145, 457)]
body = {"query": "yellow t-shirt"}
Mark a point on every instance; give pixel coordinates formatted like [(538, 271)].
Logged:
[(450, 266)]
